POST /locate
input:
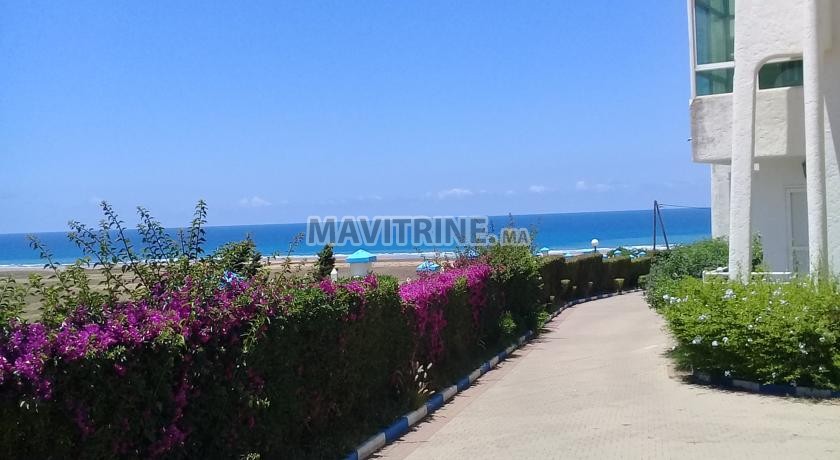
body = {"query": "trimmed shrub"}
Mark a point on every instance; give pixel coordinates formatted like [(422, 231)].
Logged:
[(762, 331), (238, 366), (516, 275), (181, 355), (591, 273), (452, 313), (330, 370), (683, 261), (247, 369)]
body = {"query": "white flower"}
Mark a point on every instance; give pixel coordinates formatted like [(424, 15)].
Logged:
[(666, 297), (725, 340), (822, 339), (822, 369), (749, 340), (777, 292), (697, 340), (783, 302), (758, 320), (774, 375), (727, 373), (749, 326), (729, 294), (714, 343), (802, 349), (703, 317)]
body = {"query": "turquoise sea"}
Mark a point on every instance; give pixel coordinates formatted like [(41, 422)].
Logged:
[(563, 232)]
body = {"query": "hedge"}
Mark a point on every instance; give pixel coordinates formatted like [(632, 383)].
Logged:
[(589, 274), (251, 368), (258, 366), (281, 368), (771, 333)]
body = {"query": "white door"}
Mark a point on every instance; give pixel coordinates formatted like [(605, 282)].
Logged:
[(798, 230)]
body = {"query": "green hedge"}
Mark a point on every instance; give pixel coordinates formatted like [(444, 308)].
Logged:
[(260, 366), (781, 333), (688, 260), (305, 372), (588, 274), (330, 380)]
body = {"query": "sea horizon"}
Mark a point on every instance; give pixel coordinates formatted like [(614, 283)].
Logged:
[(559, 232)]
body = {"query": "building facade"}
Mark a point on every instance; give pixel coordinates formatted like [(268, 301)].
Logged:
[(765, 82)]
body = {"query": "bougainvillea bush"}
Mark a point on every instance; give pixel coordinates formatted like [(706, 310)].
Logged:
[(254, 367), (454, 314), (782, 333), (236, 366), (182, 354)]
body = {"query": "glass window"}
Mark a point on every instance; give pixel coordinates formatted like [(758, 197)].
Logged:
[(780, 74), (714, 31), (714, 81)]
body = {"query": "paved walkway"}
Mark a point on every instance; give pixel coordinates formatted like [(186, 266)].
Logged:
[(597, 385)]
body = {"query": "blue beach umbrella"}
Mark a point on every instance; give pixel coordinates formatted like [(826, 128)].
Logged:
[(428, 267), (361, 256)]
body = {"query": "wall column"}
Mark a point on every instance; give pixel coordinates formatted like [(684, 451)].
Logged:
[(743, 150), (814, 142), (720, 200)]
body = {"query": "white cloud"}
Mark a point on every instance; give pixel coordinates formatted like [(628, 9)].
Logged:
[(369, 198), (454, 193), (584, 186), (538, 189), (254, 202), (510, 193)]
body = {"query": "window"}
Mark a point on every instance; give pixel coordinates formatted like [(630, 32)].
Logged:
[(780, 74), (714, 46), (714, 31), (716, 81)]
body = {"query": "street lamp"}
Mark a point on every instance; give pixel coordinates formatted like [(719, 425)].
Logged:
[(594, 243)]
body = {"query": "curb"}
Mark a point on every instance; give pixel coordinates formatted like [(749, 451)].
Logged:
[(702, 378), (437, 400)]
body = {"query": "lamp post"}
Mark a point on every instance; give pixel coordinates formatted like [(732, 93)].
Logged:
[(594, 243)]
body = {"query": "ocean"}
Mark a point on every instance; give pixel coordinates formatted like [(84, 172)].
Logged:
[(559, 232)]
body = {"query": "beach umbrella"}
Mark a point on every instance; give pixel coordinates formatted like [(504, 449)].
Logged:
[(361, 262), (428, 267)]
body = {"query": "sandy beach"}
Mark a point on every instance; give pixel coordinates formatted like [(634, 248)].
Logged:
[(401, 267)]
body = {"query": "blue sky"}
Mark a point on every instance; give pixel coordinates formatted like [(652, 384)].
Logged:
[(274, 111)]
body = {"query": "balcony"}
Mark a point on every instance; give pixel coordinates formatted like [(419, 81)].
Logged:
[(779, 125)]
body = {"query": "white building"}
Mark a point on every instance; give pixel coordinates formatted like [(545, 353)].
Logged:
[(765, 82)]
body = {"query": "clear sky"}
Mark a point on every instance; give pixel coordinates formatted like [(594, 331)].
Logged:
[(274, 111)]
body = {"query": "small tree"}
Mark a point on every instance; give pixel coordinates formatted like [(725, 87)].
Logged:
[(326, 262)]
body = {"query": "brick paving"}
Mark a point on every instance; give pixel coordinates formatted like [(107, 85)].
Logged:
[(597, 385)]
